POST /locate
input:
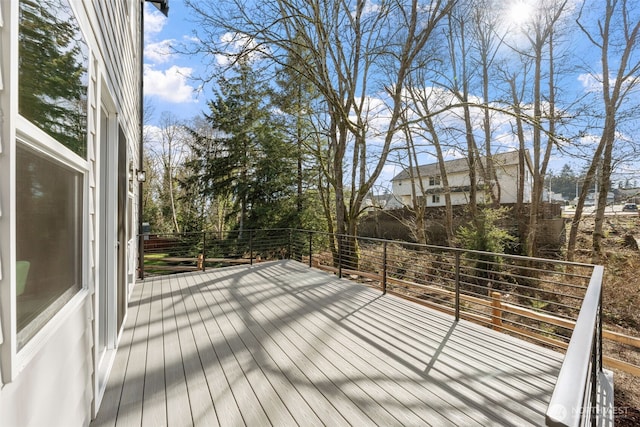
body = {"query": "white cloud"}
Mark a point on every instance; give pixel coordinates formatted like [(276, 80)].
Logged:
[(169, 85), (588, 139), (159, 52), (152, 134), (190, 39), (591, 83), (153, 20), (370, 8), (234, 44)]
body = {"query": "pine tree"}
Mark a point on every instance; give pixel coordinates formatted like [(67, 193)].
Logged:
[(246, 159), (297, 98)]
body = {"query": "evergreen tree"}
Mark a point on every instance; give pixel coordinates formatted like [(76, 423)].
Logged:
[(246, 159), (297, 99), (564, 183)]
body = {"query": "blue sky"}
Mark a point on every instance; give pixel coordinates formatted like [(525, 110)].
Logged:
[(171, 83), (170, 79)]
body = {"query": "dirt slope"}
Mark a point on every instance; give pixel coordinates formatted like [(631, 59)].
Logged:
[(621, 303)]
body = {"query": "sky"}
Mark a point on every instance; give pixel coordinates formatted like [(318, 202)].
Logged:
[(171, 80)]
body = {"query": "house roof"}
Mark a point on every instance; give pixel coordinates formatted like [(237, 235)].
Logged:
[(629, 192), (462, 165)]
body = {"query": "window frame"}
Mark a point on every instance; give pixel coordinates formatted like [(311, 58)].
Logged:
[(32, 137), (18, 130)]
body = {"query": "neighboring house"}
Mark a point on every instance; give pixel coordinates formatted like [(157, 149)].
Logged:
[(627, 195), (552, 197), (507, 171), (69, 155), (377, 202)]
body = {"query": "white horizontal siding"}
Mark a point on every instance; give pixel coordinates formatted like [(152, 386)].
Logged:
[(54, 389), (507, 177)]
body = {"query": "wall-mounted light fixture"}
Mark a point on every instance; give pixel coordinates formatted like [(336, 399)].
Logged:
[(142, 176)]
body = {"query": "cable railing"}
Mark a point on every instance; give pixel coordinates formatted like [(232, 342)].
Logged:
[(166, 253), (535, 299)]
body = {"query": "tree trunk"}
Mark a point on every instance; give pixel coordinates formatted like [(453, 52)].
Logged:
[(577, 216), (174, 214), (603, 186), (491, 179), (623, 83), (448, 225)]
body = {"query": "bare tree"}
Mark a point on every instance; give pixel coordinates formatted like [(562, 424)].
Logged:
[(539, 33), (516, 84), (169, 149), (487, 42), (348, 47), (616, 38), (459, 85), (424, 107)]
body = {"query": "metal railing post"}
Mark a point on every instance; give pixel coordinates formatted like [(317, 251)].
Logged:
[(384, 268), (593, 407), (574, 397), (339, 256), (204, 250), (457, 281), (250, 247), (141, 258), (596, 364), (289, 252), (600, 334), (310, 248)]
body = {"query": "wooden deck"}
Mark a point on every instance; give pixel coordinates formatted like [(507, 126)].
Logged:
[(281, 344)]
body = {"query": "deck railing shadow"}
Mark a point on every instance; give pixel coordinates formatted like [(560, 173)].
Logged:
[(535, 299)]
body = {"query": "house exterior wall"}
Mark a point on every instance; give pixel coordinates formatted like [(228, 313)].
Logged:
[(402, 190), (53, 379), (508, 178), (507, 174)]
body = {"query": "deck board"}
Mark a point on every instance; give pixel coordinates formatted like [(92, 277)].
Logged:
[(319, 366), (193, 343), (279, 412), (507, 384), (352, 373), (153, 405), (130, 408), (178, 406), (281, 344), (213, 327), (113, 393)]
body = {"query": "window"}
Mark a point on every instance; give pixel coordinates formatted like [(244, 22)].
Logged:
[(434, 180), (49, 209), (435, 199), (48, 238), (53, 65)]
